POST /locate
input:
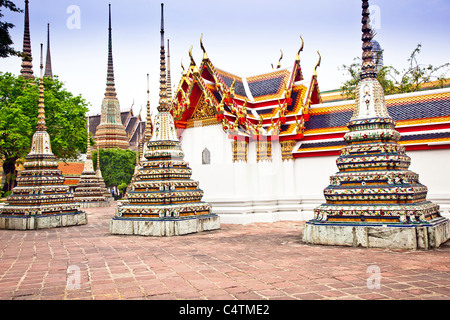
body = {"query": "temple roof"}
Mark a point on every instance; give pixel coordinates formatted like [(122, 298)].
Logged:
[(134, 125), (423, 119), (274, 103)]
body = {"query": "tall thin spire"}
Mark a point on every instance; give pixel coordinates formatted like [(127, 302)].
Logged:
[(41, 126), (110, 85), (368, 65), (169, 79), (111, 131), (98, 172), (163, 105), (148, 125), (27, 65), (48, 60), (88, 151)]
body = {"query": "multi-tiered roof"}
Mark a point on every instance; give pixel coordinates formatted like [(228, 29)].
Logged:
[(269, 105), (162, 192)]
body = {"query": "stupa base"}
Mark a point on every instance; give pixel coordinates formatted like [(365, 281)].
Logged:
[(163, 227), (35, 222), (95, 204), (410, 236)]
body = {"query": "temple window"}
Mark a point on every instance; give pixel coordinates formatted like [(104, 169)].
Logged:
[(206, 156)]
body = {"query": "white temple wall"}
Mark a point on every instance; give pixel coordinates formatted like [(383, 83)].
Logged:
[(283, 190), (433, 167)]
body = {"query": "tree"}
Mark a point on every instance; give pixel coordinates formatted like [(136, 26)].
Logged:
[(5, 38), (117, 165), (65, 120), (394, 81)]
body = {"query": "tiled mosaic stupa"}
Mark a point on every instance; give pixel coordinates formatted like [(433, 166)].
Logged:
[(40, 199), (374, 200), (163, 199), (111, 132), (91, 190)]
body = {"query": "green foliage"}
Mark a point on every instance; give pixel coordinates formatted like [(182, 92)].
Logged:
[(121, 187), (117, 166), (5, 38), (394, 81), (65, 119)]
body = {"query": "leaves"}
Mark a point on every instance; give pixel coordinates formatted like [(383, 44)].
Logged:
[(117, 165), (65, 117), (5, 38), (394, 81)]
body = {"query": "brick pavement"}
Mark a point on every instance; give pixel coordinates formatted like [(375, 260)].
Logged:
[(256, 261)]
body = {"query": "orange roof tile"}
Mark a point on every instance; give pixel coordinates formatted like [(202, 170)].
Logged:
[(71, 168)]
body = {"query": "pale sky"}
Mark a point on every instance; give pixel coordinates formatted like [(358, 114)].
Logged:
[(242, 37)]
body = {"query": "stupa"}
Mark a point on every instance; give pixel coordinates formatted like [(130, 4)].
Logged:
[(374, 200), (91, 191), (40, 199), (27, 58), (163, 200), (111, 132), (99, 175)]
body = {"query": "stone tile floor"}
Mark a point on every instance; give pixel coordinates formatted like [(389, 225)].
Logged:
[(243, 262)]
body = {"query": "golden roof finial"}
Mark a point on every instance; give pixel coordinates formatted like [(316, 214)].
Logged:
[(279, 60), (182, 67), (191, 57), (318, 64), (205, 56), (300, 50)]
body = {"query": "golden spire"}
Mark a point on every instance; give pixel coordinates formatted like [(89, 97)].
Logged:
[(41, 111), (88, 151)]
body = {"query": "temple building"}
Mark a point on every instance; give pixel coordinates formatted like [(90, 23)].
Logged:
[(40, 199), (110, 133), (163, 199), (261, 145), (239, 133), (134, 126), (375, 200)]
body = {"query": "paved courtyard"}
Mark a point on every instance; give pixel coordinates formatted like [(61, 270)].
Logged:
[(256, 261)]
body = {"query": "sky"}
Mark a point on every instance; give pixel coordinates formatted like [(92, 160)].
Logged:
[(243, 37)]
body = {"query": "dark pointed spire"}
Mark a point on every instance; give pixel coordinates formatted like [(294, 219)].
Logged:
[(27, 65), (169, 79), (163, 105), (110, 85), (48, 60), (368, 65)]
